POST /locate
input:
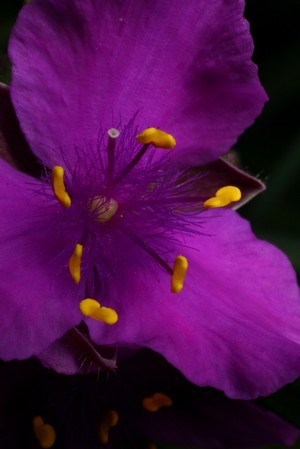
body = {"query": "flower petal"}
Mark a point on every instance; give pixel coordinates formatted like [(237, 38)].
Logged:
[(38, 302), (235, 326), (74, 405), (183, 66), (216, 422), (199, 417)]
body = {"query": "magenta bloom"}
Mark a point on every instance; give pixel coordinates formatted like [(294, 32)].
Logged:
[(146, 402), (125, 211)]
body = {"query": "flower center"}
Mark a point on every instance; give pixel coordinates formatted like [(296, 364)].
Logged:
[(142, 203)]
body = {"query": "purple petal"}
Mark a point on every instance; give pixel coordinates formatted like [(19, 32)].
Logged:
[(200, 417), (218, 423), (183, 66), (235, 326), (38, 302), (74, 406)]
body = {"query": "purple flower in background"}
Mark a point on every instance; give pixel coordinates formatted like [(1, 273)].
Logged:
[(116, 219), (146, 402)]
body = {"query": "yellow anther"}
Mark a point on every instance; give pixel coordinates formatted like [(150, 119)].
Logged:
[(75, 262), (224, 196), (59, 186), (110, 420), (158, 138), (156, 402), (44, 433), (179, 271), (91, 308)]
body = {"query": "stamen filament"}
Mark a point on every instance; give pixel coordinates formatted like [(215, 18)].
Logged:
[(164, 201), (59, 186), (131, 164), (113, 134), (147, 249), (150, 136), (80, 342)]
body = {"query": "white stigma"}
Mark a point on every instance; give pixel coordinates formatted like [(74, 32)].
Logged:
[(113, 133)]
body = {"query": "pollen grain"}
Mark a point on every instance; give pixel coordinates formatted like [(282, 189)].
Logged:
[(110, 420), (75, 263), (156, 137), (179, 272), (91, 308), (59, 186), (156, 402), (44, 433), (224, 196)]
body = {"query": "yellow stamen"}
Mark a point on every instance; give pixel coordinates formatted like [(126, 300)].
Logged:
[(44, 433), (179, 271), (156, 402), (158, 138), (224, 196), (110, 420), (75, 262), (151, 446), (59, 186), (91, 308)]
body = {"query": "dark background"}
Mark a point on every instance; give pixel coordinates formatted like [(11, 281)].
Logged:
[(271, 147)]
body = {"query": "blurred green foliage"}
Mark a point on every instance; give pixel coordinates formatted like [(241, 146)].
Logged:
[(270, 148)]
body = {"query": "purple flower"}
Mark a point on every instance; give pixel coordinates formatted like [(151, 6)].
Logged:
[(98, 238), (146, 402)]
